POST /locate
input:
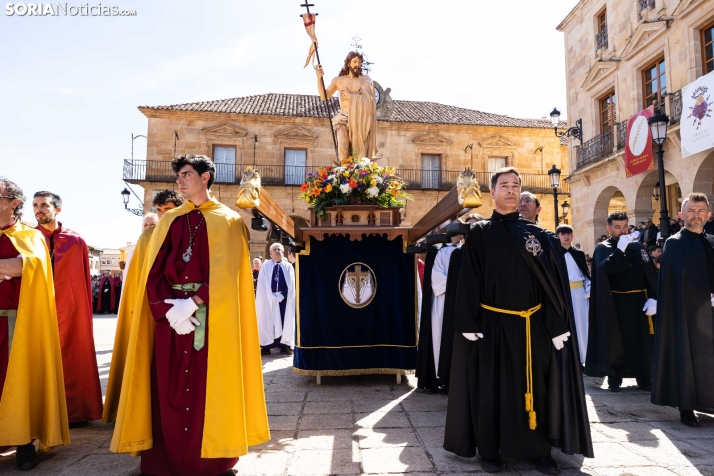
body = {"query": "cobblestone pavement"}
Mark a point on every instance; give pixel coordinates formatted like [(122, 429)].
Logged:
[(369, 425)]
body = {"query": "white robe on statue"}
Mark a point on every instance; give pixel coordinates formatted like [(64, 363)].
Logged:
[(268, 309), (438, 287), (581, 302)]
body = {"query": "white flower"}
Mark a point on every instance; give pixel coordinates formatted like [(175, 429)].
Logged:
[(378, 179), (345, 189), (339, 170), (364, 161), (373, 191)]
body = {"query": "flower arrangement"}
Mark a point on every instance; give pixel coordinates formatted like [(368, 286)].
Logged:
[(353, 183)]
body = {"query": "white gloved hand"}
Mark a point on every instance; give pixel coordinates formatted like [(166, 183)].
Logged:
[(278, 297), (559, 342), (106, 290), (650, 307), (181, 310), (623, 242), (472, 336), (187, 326), (712, 300)]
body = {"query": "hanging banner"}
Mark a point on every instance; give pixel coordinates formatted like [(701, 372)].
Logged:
[(697, 123), (638, 144)]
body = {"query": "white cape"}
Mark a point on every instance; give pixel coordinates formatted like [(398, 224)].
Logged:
[(269, 325)]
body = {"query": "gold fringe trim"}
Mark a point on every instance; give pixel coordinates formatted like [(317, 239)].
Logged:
[(340, 373)]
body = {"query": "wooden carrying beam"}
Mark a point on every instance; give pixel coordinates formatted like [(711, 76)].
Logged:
[(442, 211), (270, 209)]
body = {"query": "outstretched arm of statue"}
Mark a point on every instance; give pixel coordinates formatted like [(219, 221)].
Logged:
[(11, 267), (331, 89)]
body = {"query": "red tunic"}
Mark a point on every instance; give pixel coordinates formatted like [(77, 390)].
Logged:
[(178, 371), (9, 299), (73, 295)]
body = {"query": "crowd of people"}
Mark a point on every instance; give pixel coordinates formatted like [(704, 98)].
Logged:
[(507, 328)]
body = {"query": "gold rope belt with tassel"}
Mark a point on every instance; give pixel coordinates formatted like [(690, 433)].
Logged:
[(529, 358), (649, 318)]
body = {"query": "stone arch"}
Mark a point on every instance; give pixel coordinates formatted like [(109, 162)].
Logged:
[(645, 204), (704, 177), (602, 209)]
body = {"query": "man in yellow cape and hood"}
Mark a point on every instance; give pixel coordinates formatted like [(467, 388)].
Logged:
[(163, 201), (32, 400), (192, 398)]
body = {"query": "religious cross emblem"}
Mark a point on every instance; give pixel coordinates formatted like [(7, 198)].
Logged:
[(533, 246), (357, 285), (645, 256)]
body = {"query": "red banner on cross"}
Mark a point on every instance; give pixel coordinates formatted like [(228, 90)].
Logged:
[(639, 157)]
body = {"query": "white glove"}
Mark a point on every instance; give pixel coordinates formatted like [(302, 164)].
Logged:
[(472, 336), (712, 300), (650, 307), (181, 310), (106, 290), (278, 297), (187, 326), (559, 342), (623, 242)]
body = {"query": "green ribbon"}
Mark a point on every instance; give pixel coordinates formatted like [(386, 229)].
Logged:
[(11, 315), (199, 335)]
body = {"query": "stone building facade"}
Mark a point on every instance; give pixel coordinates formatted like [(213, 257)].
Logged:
[(286, 135), (622, 56)]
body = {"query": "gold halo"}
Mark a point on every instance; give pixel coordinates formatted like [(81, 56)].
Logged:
[(374, 286)]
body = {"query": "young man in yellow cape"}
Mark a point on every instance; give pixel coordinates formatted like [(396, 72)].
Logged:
[(32, 399), (163, 201), (192, 397)]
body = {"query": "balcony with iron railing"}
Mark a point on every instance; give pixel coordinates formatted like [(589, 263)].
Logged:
[(293, 176), (601, 39), (675, 107), (644, 5)]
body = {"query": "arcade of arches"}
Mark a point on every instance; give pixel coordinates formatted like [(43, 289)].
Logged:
[(602, 188)]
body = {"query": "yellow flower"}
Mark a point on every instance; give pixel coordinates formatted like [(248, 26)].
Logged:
[(373, 182), (328, 189), (345, 174)]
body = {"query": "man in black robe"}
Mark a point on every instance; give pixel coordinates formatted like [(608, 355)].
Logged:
[(516, 384), (684, 342), (624, 293), (106, 293)]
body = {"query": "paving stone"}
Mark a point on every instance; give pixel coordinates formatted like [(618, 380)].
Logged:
[(606, 414), (323, 462), (673, 453), (287, 422), (382, 420), (369, 438), (284, 397), (689, 471), (114, 464), (649, 412), (634, 471), (446, 461), (425, 405), (293, 408), (680, 431), (431, 436), (369, 406), (395, 460), (608, 455), (321, 408), (263, 463), (280, 440), (630, 431), (329, 395), (319, 422), (420, 419), (325, 439)]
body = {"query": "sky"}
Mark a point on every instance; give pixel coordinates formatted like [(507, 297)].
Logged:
[(70, 85)]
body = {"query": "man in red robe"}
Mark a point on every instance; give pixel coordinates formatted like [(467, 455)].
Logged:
[(32, 401), (73, 295), (105, 301), (187, 433)]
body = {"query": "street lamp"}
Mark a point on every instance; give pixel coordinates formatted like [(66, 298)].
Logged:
[(658, 126), (575, 131), (554, 174), (125, 194), (566, 208)]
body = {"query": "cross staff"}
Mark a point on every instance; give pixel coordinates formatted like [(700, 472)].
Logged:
[(322, 80)]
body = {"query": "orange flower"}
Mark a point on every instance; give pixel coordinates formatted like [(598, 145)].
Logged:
[(304, 188)]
